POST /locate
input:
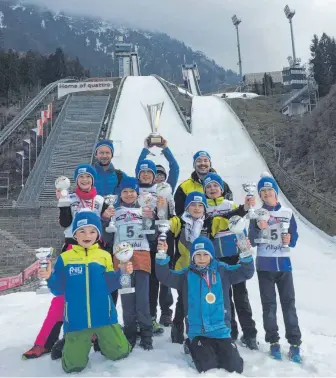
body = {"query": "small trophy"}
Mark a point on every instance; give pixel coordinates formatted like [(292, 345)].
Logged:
[(153, 113), (237, 226), (164, 190), (111, 200), (250, 189), (284, 226), (164, 227), (124, 252), (265, 237), (62, 184), (43, 254), (146, 200)]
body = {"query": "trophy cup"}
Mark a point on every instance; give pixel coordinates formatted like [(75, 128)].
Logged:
[(237, 226), (265, 237), (164, 227), (153, 113), (124, 252), (43, 254), (111, 200), (146, 200), (62, 184), (250, 189), (284, 226), (163, 190)]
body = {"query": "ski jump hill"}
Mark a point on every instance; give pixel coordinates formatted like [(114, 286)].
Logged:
[(217, 129)]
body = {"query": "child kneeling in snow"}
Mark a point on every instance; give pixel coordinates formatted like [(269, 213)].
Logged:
[(85, 276), (205, 286)]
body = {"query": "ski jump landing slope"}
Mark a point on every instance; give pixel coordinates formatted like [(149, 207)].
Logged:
[(216, 129)]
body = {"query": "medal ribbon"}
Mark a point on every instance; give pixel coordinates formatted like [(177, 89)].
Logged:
[(84, 204), (207, 280)]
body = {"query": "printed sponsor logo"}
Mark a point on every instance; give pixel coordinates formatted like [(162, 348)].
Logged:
[(202, 153), (199, 245), (198, 198), (81, 170), (82, 222), (268, 185), (75, 271), (144, 166)]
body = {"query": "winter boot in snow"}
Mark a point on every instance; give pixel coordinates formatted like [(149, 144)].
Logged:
[(157, 329), (249, 342), (166, 320), (146, 341), (275, 351), (57, 349), (294, 354), (35, 352), (177, 333)]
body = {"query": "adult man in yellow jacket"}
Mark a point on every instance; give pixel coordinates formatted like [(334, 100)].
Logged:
[(202, 166)]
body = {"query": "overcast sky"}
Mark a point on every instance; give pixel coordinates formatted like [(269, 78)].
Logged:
[(206, 25)]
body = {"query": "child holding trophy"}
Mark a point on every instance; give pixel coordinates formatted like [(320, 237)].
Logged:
[(227, 250), (205, 285), (85, 276), (84, 197), (128, 221), (274, 268)]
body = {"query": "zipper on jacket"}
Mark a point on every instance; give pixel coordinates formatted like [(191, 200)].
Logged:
[(87, 286), (202, 330), (277, 262), (110, 308), (66, 312)]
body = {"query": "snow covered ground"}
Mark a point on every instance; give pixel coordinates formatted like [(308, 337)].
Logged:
[(216, 129)]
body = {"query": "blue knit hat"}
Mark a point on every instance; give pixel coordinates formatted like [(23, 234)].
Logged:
[(85, 168), (213, 177), (129, 183), (268, 183), (145, 165), (195, 197), (201, 154), (106, 143), (202, 244), (86, 218)]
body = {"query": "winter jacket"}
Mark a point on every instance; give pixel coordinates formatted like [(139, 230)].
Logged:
[(174, 169), (224, 241), (271, 257), (194, 183), (202, 318), (86, 278), (108, 181)]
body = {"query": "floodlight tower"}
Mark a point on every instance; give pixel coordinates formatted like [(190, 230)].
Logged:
[(236, 21), (290, 14)]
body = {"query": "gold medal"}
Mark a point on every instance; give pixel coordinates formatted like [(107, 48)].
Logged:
[(210, 298)]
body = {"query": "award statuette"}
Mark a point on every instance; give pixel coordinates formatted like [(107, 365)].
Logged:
[(237, 226), (250, 189), (145, 199), (264, 235), (284, 226), (124, 252), (164, 227), (43, 254), (111, 200), (62, 184), (153, 113), (164, 190)]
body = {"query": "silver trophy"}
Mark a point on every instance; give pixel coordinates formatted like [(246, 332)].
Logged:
[(43, 254), (111, 200), (124, 252), (250, 188), (264, 235), (164, 227), (153, 113), (284, 226), (164, 190), (237, 226), (62, 184), (145, 199)]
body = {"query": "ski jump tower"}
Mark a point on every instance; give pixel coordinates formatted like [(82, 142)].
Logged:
[(128, 60), (191, 78)]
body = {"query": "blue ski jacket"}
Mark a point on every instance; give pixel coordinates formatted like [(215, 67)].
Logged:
[(107, 182)]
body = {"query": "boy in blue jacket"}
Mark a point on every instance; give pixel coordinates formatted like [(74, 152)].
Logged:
[(274, 268), (205, 286), (86, 277)]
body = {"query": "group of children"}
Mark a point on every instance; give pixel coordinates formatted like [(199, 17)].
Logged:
[(203, 264)]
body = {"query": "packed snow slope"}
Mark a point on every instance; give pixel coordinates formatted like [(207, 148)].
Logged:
[(216, 129)]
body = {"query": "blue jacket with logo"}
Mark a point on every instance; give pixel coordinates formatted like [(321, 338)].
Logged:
[(174, 169), (107, 180), (86, 278), (269, 258), (204, 319)]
